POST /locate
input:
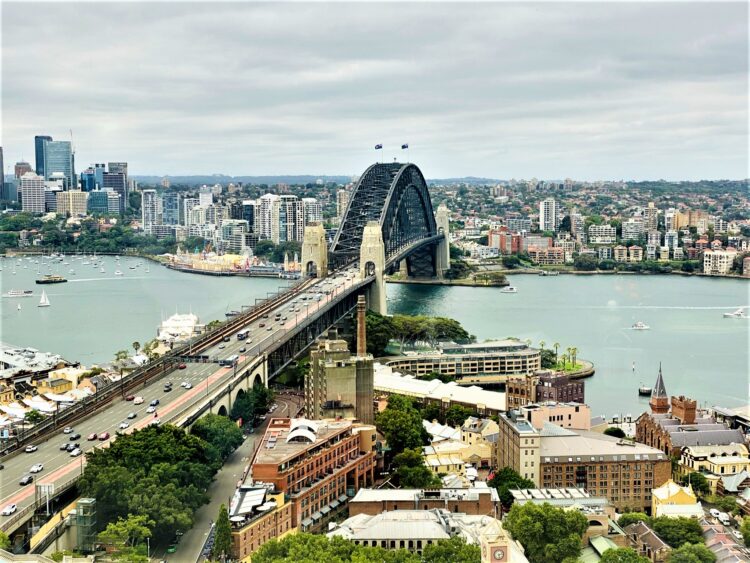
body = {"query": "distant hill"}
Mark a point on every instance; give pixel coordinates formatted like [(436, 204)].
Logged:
[(224, 179), (465, 180)]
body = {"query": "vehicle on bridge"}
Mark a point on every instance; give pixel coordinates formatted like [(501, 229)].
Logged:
[(243, 334), (8, 510), (37, 468), (231, 361), (31, 448), (26, 479)]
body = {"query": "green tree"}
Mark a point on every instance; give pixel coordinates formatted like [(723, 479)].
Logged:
[(698, 481), (223, 539), (243, 408), (222, 435), (127, 532), (548, 534), (548, 359), (691, 553), (615, 431), (623, 555), (677, 531), (456, 415), (4, 541), (585, 262), (432, 411), (511, 262), (412, 473), (633, 517), (506, 479), (379, 332), (401, 424), (33, 417), (745, 530), (454, 550), (136, 346)]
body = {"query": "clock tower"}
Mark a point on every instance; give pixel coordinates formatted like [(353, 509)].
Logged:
[(495, 550)]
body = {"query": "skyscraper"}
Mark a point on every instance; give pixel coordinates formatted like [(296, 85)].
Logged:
[(269, 217), (149, 210), (312, 210), (548, 215), (118, 168), (291, 219), (32, 193), (39, 142), (170, 202), (21, 168), (251, 214), (58, 157), (342, 201), (119, 184), (651, 215), (88, 180)]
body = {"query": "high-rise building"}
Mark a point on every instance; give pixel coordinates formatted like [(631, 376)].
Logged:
[(251, 214), (149, 210), (165, 183), (651, 217), (188, 204), (342, 201), (117, 182), (99, 170), (312, 210), (32, 193), (58, 158), (98, 202), (119, 168), (170, 203), (205, 196), (548, 215), (633, 228), (269, 217), (21, 168), (88, 180), (291, 219), (72, 203), (39, 142), (114, 202)]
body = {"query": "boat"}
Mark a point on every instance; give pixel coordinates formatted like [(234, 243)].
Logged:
[(19, 293), (644, 391), (640, 325), (71, 271), (44, 301), (51, 278), (101, 270), (85, 263), (548, 273), (738, 314), (19, 307), (231, 313), (509, 289), (132, 267), (147, 270), (118, 273)]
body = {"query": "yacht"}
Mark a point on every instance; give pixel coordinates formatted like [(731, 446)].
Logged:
[(101, 270), (640, 325), (738, 314), (118, 273), (509, 289), (44, 301), (132, 267), (19, 293)]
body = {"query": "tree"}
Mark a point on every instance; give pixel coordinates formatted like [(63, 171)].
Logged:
[(506, 479), (633, 517), (456, 415), (691, 553), (549, 361), (223, 539), (585, 262), (401, 424), (615, 431), (432, 411), (454, 550), (623, 555), (677, 531), (548, 534), (511, 261), (243, 408), (33, 417), (745, 530), (136, 346), (127, 532), (4, 541), (698, 481), (220, 432), (412, 473), (379, 333)]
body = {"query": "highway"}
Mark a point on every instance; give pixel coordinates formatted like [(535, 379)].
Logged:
[(60, 468)]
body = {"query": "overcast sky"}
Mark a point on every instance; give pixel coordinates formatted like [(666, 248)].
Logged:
[(588, 91)]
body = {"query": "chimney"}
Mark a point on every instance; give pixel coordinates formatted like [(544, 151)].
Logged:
[(361, 327)]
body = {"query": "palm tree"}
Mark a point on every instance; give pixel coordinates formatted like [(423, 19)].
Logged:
[(569, 350), (541, 344), (564, 359), (136, 346), (528, 341), (574, 352), (556, 345)]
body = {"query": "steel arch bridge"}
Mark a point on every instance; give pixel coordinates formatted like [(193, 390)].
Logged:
[(396, 196)]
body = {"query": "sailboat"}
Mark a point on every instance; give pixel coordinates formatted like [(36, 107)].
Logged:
[(19, 307), (44, 301)]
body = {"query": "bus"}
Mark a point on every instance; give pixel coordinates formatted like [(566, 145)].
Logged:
[(231, 361), (243, 334)]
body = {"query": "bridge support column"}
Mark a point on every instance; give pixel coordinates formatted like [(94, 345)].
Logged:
[(315, 251), (443, 250), (403, 268), (372, 262)]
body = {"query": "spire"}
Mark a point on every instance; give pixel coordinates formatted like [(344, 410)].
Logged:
[(659, 402), (659, 390)]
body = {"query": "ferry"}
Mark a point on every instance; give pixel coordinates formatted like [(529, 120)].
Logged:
[(644, 391), (51, 278), (738, 314), (640, 325), (509, 289), (19, 293)]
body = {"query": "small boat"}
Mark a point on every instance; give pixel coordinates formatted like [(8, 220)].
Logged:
[(231, 313), (147, 270), (640, 325), (19, 293), (548, 273), (101, 270), (509, 289), (51, 279), (44, 301), (132, 267), (738, 314), (71, 271), (118, 273), (644, 391), (86, 263), (19, 307)]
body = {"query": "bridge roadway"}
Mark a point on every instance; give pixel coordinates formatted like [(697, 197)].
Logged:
[(62, 471)]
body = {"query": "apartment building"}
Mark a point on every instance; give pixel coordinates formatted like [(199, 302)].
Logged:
[(718, 262), (567, 415), (546, 256), (635, 253), (476, 500), (542, 387), (602, 234), (518, 445), (257, 514), (620, 253), (73, 203), (633, 228)]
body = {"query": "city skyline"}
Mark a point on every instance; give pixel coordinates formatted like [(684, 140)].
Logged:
[(615, 91)]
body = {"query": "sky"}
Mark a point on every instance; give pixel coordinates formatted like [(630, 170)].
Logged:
[(502, 90)]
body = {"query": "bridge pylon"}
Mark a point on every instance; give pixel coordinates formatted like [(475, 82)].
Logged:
[(372, 262), (314, 251), (443, 250)]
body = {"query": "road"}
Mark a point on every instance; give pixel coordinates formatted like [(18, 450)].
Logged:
[(60, 468)]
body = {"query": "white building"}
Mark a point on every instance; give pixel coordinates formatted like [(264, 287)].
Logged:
[(31, 188), (205, 196), (671, 239), (187, 205), (312, 210), (633, 228), (602, 234), (149, 210), (718, 262), (548, 215), (269, 217)]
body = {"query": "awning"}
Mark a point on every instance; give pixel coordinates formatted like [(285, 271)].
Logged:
[(342, 498), (317, 516), (306, 522), (335, 504), (325, 510)]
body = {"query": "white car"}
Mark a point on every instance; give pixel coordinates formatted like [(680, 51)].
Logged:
[(155, 422), (138, 401), (8, 510), (737, 534), (36, 468), (31, 448), (76, 452), (188, 386), (184, 384), (222, 346), (713, 512), (124, 425), (151, 409), (67, 430)]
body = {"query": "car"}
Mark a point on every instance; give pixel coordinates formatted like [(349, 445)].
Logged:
[(155, 422), (270, 328), (188, 386), (74, 437), (222, 346), (138, 401), (64, 446), (76, 452), (130, 398), (737, 534), (72, 447), (167, 388), (67, 430), (8, 510), (26, 479), (183, 384), (265, 316), (104, 436), (151, 409), (283, 318), (181, 366), (124, 425), (713, 512), (243, 349), (91, 436), (37, 468), (30, 449), (261, 325), (226, 339), (154, 403), (132, 415)]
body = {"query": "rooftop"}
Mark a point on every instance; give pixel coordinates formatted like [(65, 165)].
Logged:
[(412, 495), (286, 438), (588, 446), (15, 360)]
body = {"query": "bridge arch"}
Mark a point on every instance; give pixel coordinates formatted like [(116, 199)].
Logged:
[(222, 411)]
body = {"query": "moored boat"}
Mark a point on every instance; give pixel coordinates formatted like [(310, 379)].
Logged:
[(51, 278), (640, 325), (509, 289), (19, 293)]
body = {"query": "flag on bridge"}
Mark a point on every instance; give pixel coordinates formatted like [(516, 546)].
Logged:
[(378, 146), (405, 146)]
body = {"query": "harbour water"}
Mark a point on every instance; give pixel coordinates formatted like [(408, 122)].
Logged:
[(703, 354)]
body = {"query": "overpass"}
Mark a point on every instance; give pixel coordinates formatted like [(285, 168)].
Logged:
[(389, 207)]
